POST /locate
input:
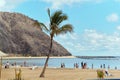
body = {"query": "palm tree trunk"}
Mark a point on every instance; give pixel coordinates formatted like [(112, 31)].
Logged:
[(46, 62)]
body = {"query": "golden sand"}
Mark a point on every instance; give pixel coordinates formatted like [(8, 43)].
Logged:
[(56, 74)]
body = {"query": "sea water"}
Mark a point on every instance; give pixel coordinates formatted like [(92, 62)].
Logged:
[(69, 62)]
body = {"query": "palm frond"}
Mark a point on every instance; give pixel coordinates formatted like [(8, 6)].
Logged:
[(64, 29), (44, 27), (55, 16), (49, 14), (61, 18), (41, 25)]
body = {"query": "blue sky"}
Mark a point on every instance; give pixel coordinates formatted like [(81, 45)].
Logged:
[(96, 23)]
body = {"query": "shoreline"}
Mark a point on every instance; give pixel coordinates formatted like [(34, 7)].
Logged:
[(30, 57)]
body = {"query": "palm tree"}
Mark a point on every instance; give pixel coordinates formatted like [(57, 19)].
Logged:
[(54, 29)]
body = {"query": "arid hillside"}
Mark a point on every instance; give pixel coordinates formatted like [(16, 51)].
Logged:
[(18, 35)]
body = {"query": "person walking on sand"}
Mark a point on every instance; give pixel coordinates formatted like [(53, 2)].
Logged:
[(7, 65)]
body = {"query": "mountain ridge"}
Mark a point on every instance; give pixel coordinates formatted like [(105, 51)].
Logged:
[(18, 35)]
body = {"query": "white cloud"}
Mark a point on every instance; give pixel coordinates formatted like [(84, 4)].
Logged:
[(2, 3), (93, 34), (103, 41), (91, 41), (118, 28), (56, 4), (59, 3), (112, 17), (8, 5)]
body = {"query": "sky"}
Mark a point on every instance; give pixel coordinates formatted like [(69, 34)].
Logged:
[(96, 23)]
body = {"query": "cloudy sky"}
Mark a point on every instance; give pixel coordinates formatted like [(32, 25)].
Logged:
[(96, 23)]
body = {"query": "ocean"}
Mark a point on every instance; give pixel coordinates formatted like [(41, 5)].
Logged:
[(97, 63)]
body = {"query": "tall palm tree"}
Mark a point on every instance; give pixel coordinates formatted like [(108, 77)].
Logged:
[(54, 29)]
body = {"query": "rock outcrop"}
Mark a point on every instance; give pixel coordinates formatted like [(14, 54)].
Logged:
[(18, 35)]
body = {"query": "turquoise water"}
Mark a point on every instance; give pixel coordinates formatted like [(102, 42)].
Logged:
[(69, 62)]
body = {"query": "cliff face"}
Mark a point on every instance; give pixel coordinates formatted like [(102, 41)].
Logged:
[(18, 35)]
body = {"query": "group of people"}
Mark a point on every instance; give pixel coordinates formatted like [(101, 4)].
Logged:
[(76, 65), (7, 64), (103, 66), (102, 73), (83, 65)]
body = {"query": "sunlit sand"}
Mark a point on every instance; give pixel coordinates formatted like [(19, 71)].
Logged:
[(56, 74)]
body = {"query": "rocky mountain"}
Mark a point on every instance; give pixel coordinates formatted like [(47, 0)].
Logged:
[(18, 35)]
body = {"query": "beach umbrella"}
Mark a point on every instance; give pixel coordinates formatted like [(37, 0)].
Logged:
[(1, 55)]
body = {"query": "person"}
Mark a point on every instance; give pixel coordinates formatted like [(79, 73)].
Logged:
[(62, 65), (101, 66), (74, 65), (82, 65), (92, 66), (85, 66), (104, 66), (24, 63), (108, 66), (107, 73), (34, 67), (77, 66), (7, 65), (115, 68)]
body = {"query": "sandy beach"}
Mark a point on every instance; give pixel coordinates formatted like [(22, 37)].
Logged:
[(56, 74), (21, 57)]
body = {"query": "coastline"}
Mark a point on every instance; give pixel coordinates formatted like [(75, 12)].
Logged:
[(62, 73), (30, 57)]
